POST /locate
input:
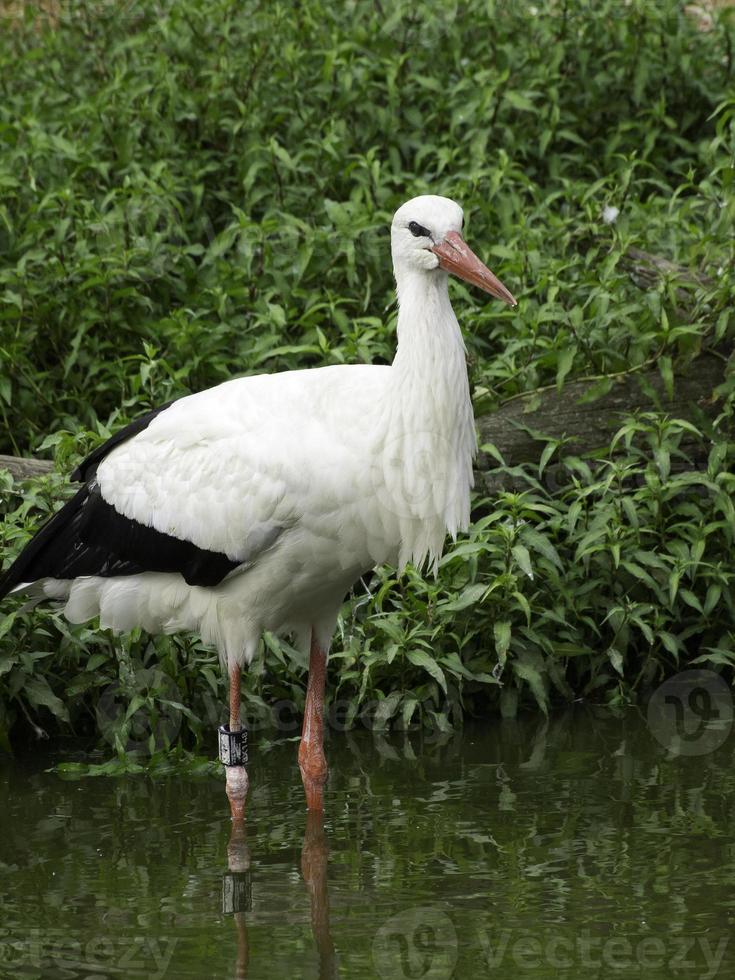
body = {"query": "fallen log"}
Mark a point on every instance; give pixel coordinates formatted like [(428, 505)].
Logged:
[(589, 424), (22, 468)]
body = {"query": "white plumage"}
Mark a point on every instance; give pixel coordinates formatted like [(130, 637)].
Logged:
[(309, 478)]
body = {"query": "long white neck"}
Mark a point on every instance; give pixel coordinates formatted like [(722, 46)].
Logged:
[(431, 435)]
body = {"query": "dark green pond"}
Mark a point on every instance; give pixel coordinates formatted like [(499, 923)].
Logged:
[(577, 847)]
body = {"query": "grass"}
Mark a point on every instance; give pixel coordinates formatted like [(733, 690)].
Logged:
[(192, 191)]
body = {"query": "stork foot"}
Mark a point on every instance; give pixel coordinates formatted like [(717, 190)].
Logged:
[(314, 772), (237, 790), (312, 761)]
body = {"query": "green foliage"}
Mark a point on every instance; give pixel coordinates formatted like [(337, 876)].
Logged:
[(194, 190)]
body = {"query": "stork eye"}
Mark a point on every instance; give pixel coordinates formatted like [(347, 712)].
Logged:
[(418, 231)]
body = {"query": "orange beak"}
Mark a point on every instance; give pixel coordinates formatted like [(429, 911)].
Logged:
[(458, 258)]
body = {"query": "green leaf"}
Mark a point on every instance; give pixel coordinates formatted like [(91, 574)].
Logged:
[(670, 642), (491, 450), (595, 391), (386, 709), (531, 403), (39, 693), (546, 455), (502, 634), (543, 546), (391, 627), (523, 603), (408, 709), (421, 659), (6, 623), (519, 101), (712, 598), (641, 574), (521, 555), (674, 585), (570, 650), (667, 373), (564, 364), (691, 600), (469, 596), (616, 659), (532, 676), (630, 511), (452, 662)]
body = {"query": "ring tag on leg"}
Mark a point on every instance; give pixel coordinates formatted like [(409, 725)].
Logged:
[(233, 746), (237, 893)]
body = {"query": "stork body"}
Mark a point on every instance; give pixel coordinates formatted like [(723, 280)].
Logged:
[(255, 505)]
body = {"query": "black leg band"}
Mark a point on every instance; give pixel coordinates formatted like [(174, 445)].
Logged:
[(233, 746), (236, 892)]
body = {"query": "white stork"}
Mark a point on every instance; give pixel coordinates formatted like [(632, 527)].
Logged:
[(255, 505)]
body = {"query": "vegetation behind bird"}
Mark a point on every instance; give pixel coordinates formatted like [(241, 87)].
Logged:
[(191, 190)]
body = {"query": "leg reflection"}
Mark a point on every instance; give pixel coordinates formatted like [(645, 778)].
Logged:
[(314, 857), (236, 895)]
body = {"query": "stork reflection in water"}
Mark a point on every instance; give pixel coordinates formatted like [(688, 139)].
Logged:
[(236, 893)]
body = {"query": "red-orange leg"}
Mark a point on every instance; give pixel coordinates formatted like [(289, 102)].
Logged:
[(314, 857), (237, 776), (235, 699), (312, 761)]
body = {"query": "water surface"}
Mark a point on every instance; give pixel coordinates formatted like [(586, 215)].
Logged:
[(574, 847)]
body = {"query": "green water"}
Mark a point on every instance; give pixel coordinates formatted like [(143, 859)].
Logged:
[(576, 847)]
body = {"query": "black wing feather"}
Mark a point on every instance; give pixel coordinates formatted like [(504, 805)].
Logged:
[(89, 537)]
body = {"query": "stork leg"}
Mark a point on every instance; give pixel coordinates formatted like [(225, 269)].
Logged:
[(314, 856), (312, 761), (237, 776), (235, 887)]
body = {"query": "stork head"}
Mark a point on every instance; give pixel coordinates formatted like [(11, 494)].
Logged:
[(426, 235)]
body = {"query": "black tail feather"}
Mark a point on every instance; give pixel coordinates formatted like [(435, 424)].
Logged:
[(60, 549), (89, 537), (56, 550), (41, 553)]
